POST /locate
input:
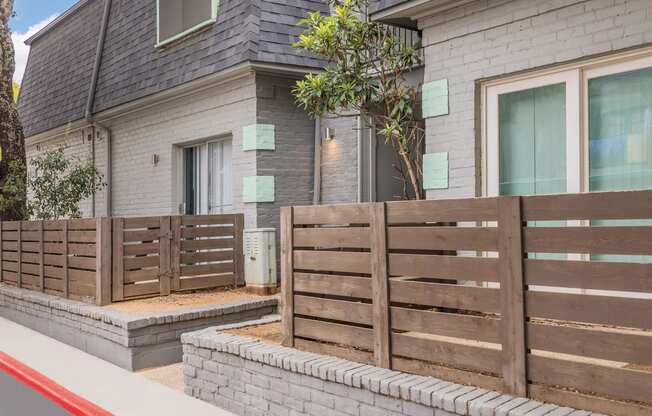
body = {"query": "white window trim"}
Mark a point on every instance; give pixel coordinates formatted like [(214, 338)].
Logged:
[(212, 20), (576, 76)]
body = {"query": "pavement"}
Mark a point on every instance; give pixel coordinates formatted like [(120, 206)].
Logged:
[(113, 389)]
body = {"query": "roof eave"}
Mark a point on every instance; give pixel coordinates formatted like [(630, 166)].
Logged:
[(63, 16), (412, 10)]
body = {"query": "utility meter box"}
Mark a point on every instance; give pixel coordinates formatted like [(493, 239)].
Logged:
[(260, 258)]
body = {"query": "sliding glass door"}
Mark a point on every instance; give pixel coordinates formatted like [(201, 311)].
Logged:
[(207, 181)]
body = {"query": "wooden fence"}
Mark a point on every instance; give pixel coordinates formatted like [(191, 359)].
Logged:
[(159, 255), (522, 305), (112, 259), (68, 258)]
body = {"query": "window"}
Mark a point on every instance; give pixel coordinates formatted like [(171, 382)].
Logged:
[(583, 129), (207, 178), (177, 18)]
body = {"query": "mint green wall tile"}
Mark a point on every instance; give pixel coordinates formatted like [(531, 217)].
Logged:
[(258, 189), (258, 137), (435, 171), (434, 97)]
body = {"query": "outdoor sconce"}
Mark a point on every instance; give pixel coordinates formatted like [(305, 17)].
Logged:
[(155, 159), (330, 134)]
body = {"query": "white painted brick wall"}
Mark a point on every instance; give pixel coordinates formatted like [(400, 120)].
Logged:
[(497, 37)]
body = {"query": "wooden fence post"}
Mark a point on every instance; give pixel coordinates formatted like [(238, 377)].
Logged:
[(164, 256), (238, 256), (19, 277), (175, 251), (103, 261), (118, 278), (66, 278), (379, 285), (41, 252), (287, 276), (510, 266)]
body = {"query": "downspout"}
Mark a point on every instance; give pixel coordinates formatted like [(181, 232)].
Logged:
[(89, 110), (316, 194), (359, 140)]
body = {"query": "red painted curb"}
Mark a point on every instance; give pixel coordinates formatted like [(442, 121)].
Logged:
[(76, 405)]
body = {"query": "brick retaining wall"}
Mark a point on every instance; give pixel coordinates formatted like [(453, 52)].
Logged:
[(251, 378), (132, 342)]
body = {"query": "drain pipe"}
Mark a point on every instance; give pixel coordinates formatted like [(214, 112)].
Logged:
[(316, 193), (359, 140), (89, 111)]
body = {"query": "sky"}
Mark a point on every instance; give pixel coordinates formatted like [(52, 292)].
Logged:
[(30, 17)]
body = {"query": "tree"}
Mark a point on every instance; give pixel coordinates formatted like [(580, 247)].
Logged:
[(58, 185), (365, 74), (12, 140)]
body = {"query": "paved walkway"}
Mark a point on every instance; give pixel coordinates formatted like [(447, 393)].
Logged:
[(112, 388)]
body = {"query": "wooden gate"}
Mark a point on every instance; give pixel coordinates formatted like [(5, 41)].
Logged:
[(154, 256)]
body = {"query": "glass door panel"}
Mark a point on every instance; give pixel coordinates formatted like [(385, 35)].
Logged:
[(620, 139), (220, 198)]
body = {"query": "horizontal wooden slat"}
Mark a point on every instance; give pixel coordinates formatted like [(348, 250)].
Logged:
[(208, 244), (347, 353), (345, 237), (140, 249), (588, 206), (442, 238), (132, 263), (206, 256), (142, 222), (332, 261), (332, 214), (206, 282), (453, 354), (592, 342), (634, 277), (208, 219), (453, 210), (75, 288), (141, 289), (627, 312), (80, 249), (598, 240), (479, 269), (141, 275), (335, 333), (446, 324), (83, 276), (338, 285), (141, 235), (194, 232), (446, 296), (339, 310), (207, 269), (9, 276), (10, 225), (81, 224), (82, 263), (614, 382)]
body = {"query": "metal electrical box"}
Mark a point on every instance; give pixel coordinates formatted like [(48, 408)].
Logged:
[(260, 257)]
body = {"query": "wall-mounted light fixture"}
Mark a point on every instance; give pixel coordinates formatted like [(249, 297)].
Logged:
[(155, 159), (330, 134)]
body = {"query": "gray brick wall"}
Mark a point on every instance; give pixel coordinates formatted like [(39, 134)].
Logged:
[(339, 161), (250, 377), (498, 37)]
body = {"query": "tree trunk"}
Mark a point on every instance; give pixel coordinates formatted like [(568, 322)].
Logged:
[(12, 140)]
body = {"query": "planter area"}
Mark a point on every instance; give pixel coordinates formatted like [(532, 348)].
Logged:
[(250, 377), (131, 341)]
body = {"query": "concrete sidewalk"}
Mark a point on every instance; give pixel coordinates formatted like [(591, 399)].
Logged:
[(108, 386)]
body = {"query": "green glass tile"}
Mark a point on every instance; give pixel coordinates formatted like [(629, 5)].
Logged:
[(435, 171), (434, 97), (258, 137), (258, 189)]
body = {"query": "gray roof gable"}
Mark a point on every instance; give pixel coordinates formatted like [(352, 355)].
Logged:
[(132, 67)]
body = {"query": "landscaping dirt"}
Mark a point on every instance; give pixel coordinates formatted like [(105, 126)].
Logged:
[(183, 300), (169, 375), (268, 332)]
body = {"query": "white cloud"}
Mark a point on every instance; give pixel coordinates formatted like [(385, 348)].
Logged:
[(22, 50)]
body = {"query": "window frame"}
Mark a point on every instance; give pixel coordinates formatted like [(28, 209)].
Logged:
[(213, 19), (576, 76)]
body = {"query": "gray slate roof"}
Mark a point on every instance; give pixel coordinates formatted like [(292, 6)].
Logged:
[(57, 79)]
